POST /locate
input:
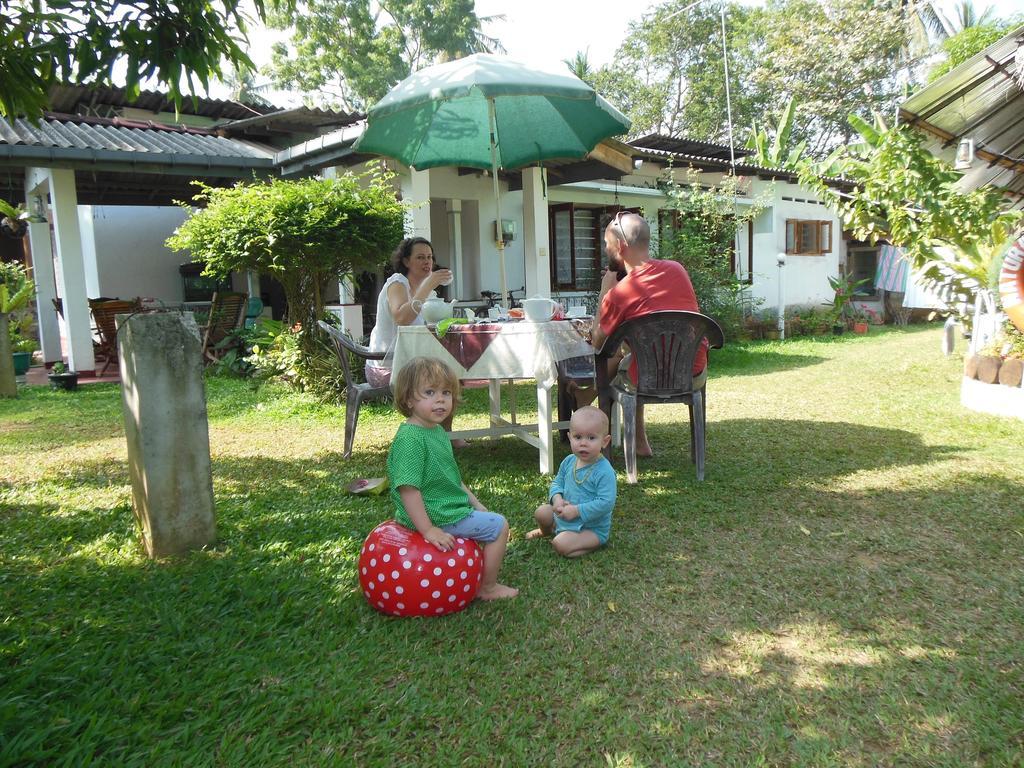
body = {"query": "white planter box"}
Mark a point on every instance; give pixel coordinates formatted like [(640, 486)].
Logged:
[(997, 399)]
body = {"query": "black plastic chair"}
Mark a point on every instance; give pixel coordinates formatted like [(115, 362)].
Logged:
[(664, 345), (355, 392)]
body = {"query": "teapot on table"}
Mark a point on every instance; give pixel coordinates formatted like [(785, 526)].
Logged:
[(540, 309), (435, 309)]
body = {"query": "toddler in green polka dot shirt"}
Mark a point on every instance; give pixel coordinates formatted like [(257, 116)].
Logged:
[(425, 482)]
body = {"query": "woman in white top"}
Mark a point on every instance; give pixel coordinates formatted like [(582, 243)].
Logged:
[(401, 299), (399, 303)]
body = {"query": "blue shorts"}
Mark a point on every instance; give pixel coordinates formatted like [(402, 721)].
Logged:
[(479, 526)]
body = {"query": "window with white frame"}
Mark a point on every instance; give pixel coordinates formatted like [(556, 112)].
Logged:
[(808, 237)]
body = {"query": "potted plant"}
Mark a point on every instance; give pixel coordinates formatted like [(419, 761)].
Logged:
[(21, 354), (858, 319), (22, 344), (61, 378), (841, 305), (16, 291)]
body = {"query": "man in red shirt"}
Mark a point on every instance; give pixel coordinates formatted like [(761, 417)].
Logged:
[(650, 285)]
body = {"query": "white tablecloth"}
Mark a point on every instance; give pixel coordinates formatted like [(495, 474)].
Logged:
[(512, 350), (520, 350)]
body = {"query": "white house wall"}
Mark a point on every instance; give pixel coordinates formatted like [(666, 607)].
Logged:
[(130, 255), (478, 229), (806, 278)]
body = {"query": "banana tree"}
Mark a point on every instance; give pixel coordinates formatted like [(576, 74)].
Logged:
[(779, 154), (16, 291)]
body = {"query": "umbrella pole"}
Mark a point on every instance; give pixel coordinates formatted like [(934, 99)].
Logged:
[(498, 233)]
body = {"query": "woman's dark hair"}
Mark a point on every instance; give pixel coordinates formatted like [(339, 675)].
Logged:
[(404, 251)]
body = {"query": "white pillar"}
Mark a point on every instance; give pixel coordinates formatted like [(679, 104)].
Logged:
[(419, 195), (42, 274), (454, 210), (89, 259), (535, 232), (71, 270)]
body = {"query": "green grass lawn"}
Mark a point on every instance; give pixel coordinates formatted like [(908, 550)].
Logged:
[(844, 589)]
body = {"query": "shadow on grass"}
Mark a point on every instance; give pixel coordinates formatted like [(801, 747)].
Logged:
[(709, 637), (746, 360), (758, 453)]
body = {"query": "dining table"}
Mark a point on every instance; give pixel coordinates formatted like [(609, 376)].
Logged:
[(503, 352)]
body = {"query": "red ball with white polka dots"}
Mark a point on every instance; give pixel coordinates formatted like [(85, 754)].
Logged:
[(403, 574)]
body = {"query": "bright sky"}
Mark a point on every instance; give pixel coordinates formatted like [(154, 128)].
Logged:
[(545, 32)]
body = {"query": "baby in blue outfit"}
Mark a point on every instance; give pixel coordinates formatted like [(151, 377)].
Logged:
[(582, 495)]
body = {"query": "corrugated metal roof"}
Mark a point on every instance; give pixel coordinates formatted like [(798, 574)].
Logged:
[(713, 163), (979, 100), (685, 146), (99, 100), (117, 136)]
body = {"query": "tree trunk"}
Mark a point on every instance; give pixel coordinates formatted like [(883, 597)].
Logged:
[(8, 385)]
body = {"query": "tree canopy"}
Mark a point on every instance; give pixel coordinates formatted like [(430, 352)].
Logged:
[(302, 233), (353, 51), (81, 42), (962, 45), (833, 57), (668, 74)]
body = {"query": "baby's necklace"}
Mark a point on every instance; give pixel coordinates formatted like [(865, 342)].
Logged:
[(586, 473)]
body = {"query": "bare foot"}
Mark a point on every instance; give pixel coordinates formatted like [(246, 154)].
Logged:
[(496, 592), (644, 449), (536, 533)]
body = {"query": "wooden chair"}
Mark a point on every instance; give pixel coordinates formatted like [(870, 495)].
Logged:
[(227, 313), (355, 392), (664, 345), (104, 314)]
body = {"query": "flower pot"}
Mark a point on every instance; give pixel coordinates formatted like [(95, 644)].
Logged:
[(22, 361), (860, 327), (837, 329), (772, 334), (67, 381)]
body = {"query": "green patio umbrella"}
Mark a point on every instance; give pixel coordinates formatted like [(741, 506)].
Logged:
[(489, 112)]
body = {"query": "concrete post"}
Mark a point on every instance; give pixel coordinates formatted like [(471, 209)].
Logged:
[(167, 433)]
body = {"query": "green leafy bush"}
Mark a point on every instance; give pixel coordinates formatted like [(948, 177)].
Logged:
[(701, 238), (275, 353), (305, 234)]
